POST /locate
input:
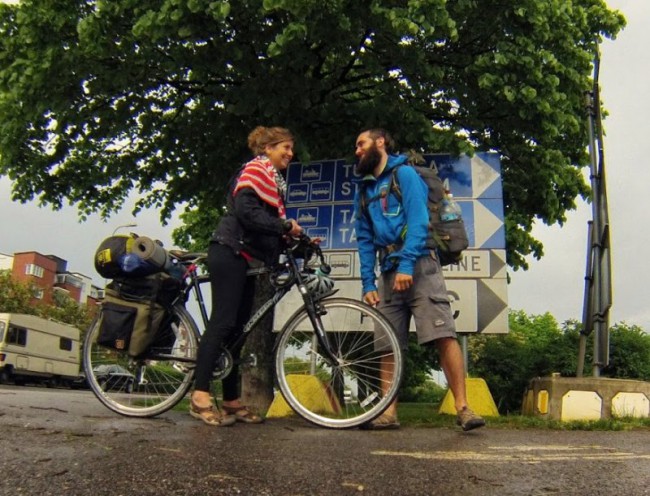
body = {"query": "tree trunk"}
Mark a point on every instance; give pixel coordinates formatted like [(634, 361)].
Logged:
[(257, 381)]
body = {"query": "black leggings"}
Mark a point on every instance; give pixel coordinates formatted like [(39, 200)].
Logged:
[(232, 301)]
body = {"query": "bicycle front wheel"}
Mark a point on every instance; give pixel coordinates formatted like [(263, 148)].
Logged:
[(149, 385), (363, 381)]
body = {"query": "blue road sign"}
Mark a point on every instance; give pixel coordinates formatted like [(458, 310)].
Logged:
[(320, 196)]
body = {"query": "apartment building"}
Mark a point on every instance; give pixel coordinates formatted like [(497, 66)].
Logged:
[(49, 274)]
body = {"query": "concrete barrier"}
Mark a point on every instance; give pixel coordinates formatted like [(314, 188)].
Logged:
[(586, 398)]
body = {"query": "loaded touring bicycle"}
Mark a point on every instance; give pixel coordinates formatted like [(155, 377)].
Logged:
[(330, 356)]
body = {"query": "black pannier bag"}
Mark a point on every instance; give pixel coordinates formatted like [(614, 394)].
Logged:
[(117, 324), (134, 310)]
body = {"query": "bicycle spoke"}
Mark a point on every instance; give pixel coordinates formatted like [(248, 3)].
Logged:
[(351, 391)]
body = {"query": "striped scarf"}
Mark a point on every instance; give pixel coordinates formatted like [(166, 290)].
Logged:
[(260, 175)]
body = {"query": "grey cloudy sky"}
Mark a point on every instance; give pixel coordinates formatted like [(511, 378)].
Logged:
[(554, 284)]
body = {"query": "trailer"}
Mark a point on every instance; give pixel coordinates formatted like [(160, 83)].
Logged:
[(33, 349)]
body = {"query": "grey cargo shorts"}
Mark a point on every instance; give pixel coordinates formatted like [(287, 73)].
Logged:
[(427, 301)]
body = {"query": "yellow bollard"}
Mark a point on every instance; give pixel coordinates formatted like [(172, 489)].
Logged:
[(479, 399)]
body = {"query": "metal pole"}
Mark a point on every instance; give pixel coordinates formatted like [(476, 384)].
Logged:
[(587, 323), (595, 245), (605, 269), (598, 300)]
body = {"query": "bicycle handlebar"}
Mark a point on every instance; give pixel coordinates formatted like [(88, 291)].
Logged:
[(306, 247)]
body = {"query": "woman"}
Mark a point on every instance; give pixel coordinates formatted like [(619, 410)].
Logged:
[(252, 229)]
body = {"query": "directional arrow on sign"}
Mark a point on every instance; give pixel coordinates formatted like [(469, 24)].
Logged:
[(493, 306), (497, 264), (488, 225), (486, 178)]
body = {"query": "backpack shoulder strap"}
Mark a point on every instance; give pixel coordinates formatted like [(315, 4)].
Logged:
[(394, 188), (364, 201), (394, 183)]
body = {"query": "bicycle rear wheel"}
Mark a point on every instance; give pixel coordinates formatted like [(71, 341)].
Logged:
[(364, 381), (149, 385)]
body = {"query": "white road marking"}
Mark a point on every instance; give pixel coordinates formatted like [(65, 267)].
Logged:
[(524, 454)]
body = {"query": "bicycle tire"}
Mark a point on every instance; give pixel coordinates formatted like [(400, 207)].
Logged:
[(350, 393), (149, 385)]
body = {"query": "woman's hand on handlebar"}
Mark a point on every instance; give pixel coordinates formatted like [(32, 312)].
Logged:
[(292, 228)]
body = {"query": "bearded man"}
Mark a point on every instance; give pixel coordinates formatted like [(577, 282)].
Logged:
[(411, 283)]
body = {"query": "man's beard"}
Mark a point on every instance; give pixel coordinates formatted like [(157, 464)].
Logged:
[(370, 160)]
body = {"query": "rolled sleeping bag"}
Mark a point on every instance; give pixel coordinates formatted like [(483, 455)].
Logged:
[(151, 252)]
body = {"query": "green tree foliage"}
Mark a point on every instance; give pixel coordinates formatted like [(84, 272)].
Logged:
[(101, 98), (15, 296), (417, 385)]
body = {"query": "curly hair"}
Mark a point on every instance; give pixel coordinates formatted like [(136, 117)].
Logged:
[(261, 137)]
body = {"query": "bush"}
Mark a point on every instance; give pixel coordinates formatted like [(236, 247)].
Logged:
[(536, 346), (629, 354)]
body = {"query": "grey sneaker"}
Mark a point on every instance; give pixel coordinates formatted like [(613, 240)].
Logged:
[(468, 420)]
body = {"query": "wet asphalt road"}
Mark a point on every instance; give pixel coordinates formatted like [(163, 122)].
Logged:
[(55, 442)]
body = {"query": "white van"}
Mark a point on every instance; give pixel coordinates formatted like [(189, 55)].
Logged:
[(33, 349)]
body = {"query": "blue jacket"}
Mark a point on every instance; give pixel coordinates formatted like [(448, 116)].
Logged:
[(391, 221)]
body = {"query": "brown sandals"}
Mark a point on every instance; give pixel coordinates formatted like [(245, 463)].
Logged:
[(243, 414), (211, 415)]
